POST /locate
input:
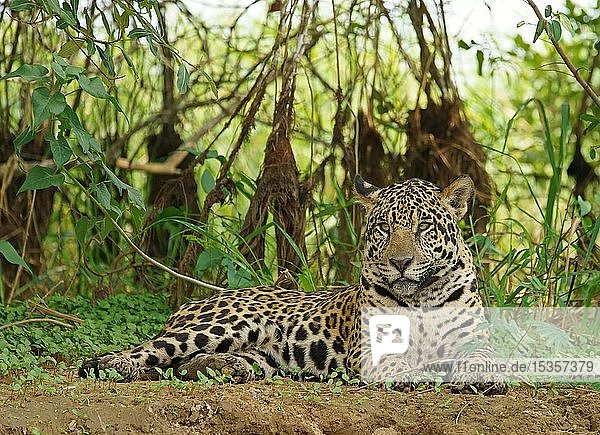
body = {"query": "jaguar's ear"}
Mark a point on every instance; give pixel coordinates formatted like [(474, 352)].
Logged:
[(366, 193), (457, 196)]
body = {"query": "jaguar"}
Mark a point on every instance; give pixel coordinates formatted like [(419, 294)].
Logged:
[(414, 256)]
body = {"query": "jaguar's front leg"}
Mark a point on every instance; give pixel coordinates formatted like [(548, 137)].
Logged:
[(240, 366), (133, 364), (123, 364)]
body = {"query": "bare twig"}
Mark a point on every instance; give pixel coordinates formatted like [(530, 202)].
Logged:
[(23, 251), (37, 319), (49, 311), (145, 256)]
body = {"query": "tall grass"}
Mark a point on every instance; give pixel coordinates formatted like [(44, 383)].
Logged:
[(548, 262)]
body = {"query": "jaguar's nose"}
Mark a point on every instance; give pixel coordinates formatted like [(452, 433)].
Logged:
[(401, 263)]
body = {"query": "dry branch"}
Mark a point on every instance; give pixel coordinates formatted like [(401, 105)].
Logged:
[(49, 311), (38, 319)]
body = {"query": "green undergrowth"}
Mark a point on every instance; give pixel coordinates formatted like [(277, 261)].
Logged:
[(34, 350)]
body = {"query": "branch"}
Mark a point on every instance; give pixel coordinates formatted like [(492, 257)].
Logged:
[(170, 165), (49, 311), (162, 168), (38, 319), (23, 251), (585, 85), (145, 256)]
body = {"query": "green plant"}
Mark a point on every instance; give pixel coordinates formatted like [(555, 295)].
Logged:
[(212, 377), (168, 378), (36, 351), (518, 266)]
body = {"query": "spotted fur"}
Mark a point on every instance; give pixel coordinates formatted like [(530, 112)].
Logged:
[(414, 255)]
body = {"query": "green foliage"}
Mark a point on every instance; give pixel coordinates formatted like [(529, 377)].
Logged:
[(338, 378), (550, 23), (536, 269), (8, 252), (49, 104), (117, 322), (41, 178), (183, 79)]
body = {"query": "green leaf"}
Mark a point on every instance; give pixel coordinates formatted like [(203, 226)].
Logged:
[(106, 24), (95, 87), (591, 126), (237, 278), (61, 24), (479, 62), (22, 5), (183, 79), (556, 30), (129, 61), (584, 206), (10, 254), (588, 117), (82, 229), (74, 71), (28, 72), (59, 60), (46, 104), (139, 33), (61, 151), (68, 49), (84, 138), (211, 154), (107, 61), (138, 217), (152, 45), (566, 22), (59, 70), (41, 178), (23, 138), (52, 7), (209, 258), (102, 195), (207, 181), (548, 11), (91, 47), (211, 83), (462, 44), (105, 226), (136, 196), (114, 179), (539, 29)]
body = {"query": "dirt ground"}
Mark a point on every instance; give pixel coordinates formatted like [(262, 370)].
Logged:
[(293, 408)]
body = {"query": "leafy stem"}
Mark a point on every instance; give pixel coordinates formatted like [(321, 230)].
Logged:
[(561, 52), (134, 246)]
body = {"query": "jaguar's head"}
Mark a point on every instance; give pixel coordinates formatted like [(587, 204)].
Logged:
[(412, 239)]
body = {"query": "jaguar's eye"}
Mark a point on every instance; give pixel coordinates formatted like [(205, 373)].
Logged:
[(424, 226), (383, 229)]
